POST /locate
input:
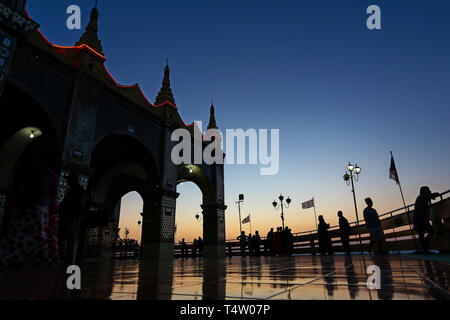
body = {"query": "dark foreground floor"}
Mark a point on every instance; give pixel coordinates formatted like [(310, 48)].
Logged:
[(296, 278)]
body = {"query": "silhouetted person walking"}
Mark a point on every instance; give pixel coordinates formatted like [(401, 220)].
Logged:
[(250, 245), (276, 242), (243, 242), (70, 218), (422, 224), (289, 242), (344, 228), (374, 225), (257, 243), (268, 242), (324, 237)]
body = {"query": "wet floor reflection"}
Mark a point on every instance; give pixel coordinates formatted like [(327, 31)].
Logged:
[(295, 278), (352, 280)]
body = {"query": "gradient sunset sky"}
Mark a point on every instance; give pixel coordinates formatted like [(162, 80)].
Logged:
[(337, 91)]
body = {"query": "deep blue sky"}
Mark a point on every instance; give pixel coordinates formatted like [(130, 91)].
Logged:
[(336, 90)]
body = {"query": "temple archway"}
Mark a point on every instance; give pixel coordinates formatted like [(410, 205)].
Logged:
[(121, 164), (188, 218), (212, 228), (27, 135)]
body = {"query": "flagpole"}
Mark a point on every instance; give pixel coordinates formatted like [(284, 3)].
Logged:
[(315, 214), (250, 220), (240, 222), (404, 205)]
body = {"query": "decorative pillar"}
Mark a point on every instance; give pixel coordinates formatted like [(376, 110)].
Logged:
[(158, 226), (214, 230)]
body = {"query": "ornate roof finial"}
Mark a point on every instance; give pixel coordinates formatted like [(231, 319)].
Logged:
[(90, 35), (212, 118), (165, 94)]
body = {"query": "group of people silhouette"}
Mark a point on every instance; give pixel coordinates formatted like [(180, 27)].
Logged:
[(196, 248), (277, 243), (281, 242), (421, 224)]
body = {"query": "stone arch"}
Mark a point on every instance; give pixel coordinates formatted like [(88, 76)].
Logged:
[(26, 130), (120, 163), (197, 175), (25, 126), (212, 211)]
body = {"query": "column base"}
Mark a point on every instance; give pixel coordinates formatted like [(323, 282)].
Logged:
[(157, 251), (214, 251)]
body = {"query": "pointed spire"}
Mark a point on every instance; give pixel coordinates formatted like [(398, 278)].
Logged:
[(165, 94), (212, 118), (90, 35)]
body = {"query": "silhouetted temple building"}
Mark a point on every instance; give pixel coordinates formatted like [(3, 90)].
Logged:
[(61, 103)]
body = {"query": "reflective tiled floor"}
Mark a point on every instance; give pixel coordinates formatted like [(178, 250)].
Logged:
[(296, 278)]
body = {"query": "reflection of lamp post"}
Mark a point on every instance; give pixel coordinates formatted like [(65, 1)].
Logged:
[(351, 174), (282, 205)]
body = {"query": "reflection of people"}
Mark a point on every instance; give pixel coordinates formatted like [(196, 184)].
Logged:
[(352, 280), (435, 274), (344, 228), (387, 289), (31, 234), (374, 225), (328, 268), (71, 213), (422, 216), (324, 237)]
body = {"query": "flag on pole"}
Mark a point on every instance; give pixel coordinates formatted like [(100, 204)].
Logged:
[(246, 220), (308, 204), (393, 170)]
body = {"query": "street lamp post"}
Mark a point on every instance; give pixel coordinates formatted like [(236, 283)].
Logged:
[(281, 205), (351, 175)]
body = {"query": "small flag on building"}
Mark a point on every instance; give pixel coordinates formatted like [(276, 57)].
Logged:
[(393, 170), (308, 204), (246, 220)]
